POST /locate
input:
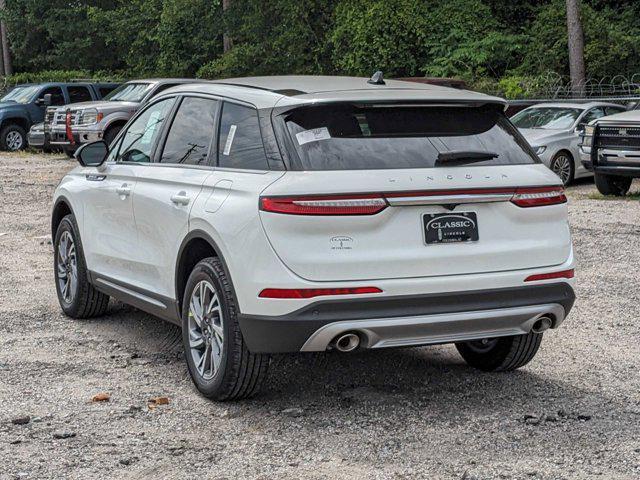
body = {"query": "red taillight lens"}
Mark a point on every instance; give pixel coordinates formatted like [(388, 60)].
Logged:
[(368, 204), (314, 292), (550, 276), (538, 196)]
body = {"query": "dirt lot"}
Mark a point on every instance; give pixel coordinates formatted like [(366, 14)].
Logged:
[(573, 413)]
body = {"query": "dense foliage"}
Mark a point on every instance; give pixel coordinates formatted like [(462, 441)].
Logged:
[(490, 43)]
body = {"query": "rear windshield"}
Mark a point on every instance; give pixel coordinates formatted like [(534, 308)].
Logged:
[(355, 137)]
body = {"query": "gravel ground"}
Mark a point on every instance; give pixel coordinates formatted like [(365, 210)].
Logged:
[(573, 413)]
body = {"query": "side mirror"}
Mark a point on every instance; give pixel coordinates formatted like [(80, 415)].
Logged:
[(92, 154), (44, 101)]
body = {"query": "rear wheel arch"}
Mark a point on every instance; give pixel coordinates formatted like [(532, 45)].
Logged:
[(196, 246)]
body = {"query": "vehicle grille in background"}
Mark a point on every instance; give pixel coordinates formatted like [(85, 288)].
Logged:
[(612, 136), (48, 118), (60, 118)]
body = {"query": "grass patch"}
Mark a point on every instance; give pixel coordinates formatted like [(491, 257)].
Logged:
[(628, 196)]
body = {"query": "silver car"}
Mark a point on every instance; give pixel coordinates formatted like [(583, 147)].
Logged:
[(553, 130)]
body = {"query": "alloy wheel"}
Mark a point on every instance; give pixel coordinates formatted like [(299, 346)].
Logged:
[(562, 167), (67, 270), (206, 329), (14, 141)]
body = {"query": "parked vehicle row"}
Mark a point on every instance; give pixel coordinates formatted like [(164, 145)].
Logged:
[(306, 214), (554, 129), (78, 123), (24, 106)]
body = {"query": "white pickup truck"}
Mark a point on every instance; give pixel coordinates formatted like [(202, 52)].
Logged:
[(611, 149)]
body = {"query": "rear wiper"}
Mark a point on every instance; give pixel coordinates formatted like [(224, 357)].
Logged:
[(461, 157)]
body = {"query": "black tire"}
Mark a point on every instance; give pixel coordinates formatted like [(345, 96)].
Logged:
[(240, 373), (563, 165), (69, 152), (111, 134), (86, 302), (500, 354), (19, 140), (613, 184)]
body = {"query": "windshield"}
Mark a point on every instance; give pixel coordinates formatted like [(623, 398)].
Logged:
[(550, 118), (354, 137), (22, 94), (129, 92)]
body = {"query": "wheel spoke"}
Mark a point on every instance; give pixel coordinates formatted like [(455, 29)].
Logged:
[(196, 340), (195, 310), (213, 303), (216, 354)]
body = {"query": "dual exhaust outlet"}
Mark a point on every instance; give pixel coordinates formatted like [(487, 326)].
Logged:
[(350, 341), (346, 342), (541, 324)]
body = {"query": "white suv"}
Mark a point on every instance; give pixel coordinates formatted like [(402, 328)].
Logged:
[(307, 214)]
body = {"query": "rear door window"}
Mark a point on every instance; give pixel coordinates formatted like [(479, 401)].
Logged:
[(240, 141), (191, 132), (79, 94), (352, 137)]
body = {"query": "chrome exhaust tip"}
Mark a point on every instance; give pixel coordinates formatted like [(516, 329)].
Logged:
[(542, 324), (346, 342)]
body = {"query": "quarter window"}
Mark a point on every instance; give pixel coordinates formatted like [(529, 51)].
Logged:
[(138, 140), (79, 94), (191, 132), (240, 142)]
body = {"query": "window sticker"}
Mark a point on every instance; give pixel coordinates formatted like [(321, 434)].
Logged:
[(313, 135), (229, 142)]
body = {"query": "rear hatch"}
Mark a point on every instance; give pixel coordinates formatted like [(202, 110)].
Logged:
[(400, 191)]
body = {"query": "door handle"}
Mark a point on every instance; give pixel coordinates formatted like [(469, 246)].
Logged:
[(180, 198), (123, 190)]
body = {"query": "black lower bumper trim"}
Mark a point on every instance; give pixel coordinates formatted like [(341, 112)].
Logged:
[(623, 171), (288, 333)]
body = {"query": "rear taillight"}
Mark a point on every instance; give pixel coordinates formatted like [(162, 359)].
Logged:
[(538, 196), (367, 204), (293, 293), (372, 203), (550, 276)]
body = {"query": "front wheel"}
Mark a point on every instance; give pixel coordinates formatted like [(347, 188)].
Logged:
[(13, 138), (563, 166), (613, 184), (500, 354), (220, 365), (77, 297)]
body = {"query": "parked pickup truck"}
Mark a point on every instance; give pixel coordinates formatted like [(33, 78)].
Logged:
[(24, 105), (78, 123), (611, 149)]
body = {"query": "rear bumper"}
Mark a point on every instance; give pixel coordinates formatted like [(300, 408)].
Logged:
[(410, 320)]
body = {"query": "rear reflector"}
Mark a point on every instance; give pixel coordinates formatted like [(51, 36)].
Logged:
[(314, 292), (550, 276), (367, 204), (538, 196)]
